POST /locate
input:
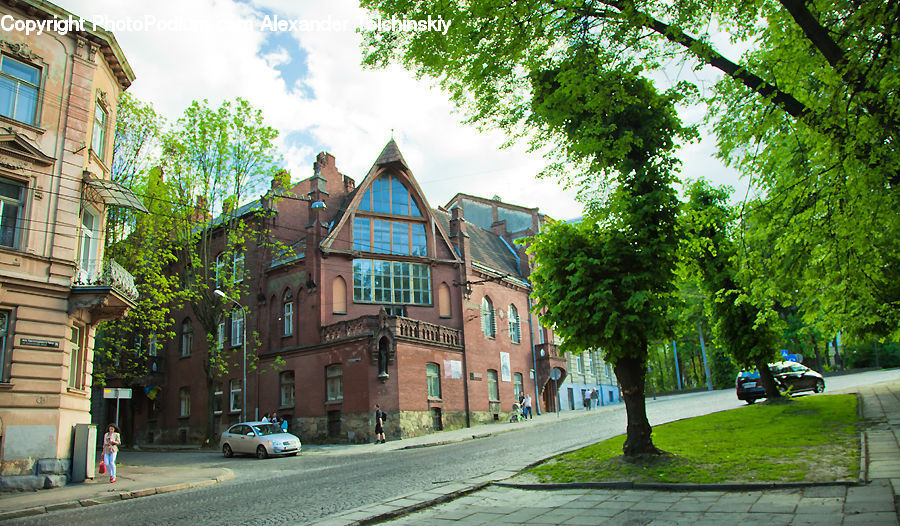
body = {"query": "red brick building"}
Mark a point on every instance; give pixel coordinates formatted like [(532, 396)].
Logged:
[(383, 299)]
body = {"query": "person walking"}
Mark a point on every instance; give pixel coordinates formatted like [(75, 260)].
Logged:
[(379, 424), (527, 403), (595, 398), (586, 399), (111, 442)]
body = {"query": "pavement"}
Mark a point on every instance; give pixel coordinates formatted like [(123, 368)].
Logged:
[(487, 499)]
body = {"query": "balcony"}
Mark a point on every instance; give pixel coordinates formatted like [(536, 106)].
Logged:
[(548, 358), (400, 327), (104, 288)]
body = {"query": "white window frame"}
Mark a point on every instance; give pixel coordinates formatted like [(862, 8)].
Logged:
[(19, 83), (237, 327), (237, 267), (184, 402), (99, 132), (218, 394), (515, 331), (488, 321), (433, 379), (19, 204), (234, 398), (288, 316)]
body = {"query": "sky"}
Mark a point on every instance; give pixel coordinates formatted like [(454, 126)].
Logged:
[(310, 84)]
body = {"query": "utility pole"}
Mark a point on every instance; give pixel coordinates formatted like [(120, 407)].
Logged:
[(709, 385), (677, 369)]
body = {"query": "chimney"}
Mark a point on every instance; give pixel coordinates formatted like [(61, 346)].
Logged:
[(499, 228), (458, 235)]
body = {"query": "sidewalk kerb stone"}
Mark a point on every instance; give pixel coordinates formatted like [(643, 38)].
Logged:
[(18, 514)]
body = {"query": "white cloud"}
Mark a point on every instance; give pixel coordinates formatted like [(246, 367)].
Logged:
[(339, 106)]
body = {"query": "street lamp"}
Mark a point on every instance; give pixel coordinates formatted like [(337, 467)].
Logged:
[(244, 341)]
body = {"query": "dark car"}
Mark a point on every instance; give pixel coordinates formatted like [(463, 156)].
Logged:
[(791, 377)]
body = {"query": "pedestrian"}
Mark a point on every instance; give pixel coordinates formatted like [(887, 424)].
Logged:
[(587, 399), (274, 418), (379, 424), (265, 418), (284, 424), (527, 403), (111, 442), (522, 399), (595, 398)]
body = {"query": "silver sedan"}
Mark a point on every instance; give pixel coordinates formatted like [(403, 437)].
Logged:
[(259, 438)]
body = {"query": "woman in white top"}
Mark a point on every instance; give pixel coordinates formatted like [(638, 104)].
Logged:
[(111, 442)]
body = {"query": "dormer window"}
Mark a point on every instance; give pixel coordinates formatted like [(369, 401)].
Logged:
[(19, 87)]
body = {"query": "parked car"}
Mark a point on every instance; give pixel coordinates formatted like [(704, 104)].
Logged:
[(259, 438), (791, 377)]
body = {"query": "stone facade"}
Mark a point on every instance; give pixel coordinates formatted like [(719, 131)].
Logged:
[(55, 285)]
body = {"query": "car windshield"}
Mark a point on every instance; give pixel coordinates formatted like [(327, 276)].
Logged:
[(267, 429)]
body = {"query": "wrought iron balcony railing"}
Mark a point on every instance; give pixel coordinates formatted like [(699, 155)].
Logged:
[(105, 273)]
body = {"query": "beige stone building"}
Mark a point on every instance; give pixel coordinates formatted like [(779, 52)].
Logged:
[(58, 93)]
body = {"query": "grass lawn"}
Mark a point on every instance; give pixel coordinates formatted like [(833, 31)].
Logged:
[(809, 439)]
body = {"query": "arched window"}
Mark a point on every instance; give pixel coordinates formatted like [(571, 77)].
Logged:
[(444, 301), (515, 333), (487, 318), (388, 195), (493, 386), (187, 337), (334, 379), (220, 269), (288, 312), (518, 386), (237, 327), (433, 379), (339, 296)]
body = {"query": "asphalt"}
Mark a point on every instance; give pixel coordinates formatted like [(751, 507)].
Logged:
[(875, 499)]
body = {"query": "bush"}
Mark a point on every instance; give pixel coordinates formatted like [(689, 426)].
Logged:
[(863, 355)]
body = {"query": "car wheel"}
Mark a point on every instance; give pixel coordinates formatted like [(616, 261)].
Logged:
[(226, 450), (261, 452), (820, 386), (750, 401)]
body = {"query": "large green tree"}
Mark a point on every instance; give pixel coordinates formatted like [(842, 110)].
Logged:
[(608, 282), (741, 327), (215, 158), (809, 112)]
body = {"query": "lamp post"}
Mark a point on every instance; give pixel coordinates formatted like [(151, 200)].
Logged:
[(244, 341)]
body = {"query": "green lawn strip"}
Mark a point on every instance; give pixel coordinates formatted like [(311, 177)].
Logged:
[(809, 439)]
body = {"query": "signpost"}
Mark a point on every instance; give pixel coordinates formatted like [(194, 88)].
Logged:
[(555, 374), (118, 393)]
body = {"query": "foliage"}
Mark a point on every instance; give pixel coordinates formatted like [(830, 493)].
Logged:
[(741, 328), (809, 114), (142, 244), (859, 355), (812, 439)]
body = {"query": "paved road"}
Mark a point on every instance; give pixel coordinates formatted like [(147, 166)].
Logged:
[(312, 486)]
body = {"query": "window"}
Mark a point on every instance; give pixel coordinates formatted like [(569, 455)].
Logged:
[(217, 398), (152, 348), (287, 389), (184, 398), (389, 237), (98, 137), (339, 296), (288, 313), (518, 386), (579, 363), (88, 246), (488, 327), (19, 87), (220, 335), (388, 195), (12, 204), (589, 362), (493, 388), (237, 267), (220, 269), (334, 379), (514, 332), (234, 386), (237, 327), (444, 301), (187, 337), (391, 282), (433, 379), (76, 357)]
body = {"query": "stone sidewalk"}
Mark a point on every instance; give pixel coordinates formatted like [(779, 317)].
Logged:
[(486, 500), (131, 482)]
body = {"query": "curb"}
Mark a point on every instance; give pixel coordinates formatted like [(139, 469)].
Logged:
[(674, 486), (106, 499)]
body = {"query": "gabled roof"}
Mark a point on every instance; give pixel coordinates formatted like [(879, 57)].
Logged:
[(243, 210), (487, 248), (390, 155)]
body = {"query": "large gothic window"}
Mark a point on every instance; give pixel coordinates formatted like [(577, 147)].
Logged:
[(388, 195)]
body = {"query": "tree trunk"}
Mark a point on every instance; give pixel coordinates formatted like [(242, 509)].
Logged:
[(768, 381), (631, 372)]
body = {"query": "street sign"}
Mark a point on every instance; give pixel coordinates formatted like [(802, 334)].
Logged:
[(555, 374), (117, 392)]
